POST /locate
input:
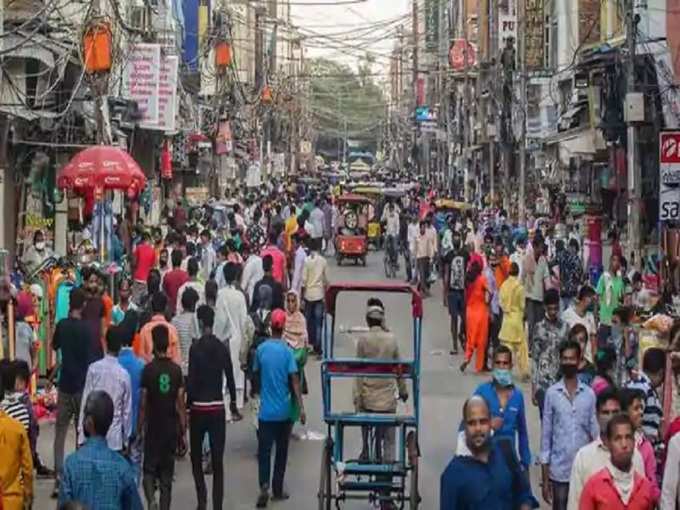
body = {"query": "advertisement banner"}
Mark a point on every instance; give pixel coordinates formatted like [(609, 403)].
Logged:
[(167, 94), (535, 33), (431, 24), (141, 79), (669, 179)]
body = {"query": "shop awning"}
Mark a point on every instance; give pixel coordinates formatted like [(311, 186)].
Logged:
[(577, 142)]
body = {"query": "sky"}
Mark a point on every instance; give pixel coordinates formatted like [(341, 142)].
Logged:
[(365, 26)]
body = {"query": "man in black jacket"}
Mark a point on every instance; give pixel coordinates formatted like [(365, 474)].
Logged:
[(209, 360)]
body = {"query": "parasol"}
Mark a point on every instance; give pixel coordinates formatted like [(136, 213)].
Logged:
[(102, 167)]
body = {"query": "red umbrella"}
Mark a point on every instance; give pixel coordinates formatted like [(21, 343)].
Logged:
[(102, 167)]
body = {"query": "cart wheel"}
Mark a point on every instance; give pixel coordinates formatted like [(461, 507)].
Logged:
[(413, 453), (324, 494)]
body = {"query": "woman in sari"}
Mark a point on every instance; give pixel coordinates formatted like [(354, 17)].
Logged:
[(295, 333), (476, 315)]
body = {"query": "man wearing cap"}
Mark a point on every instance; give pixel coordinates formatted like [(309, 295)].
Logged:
[(373, 395), (275, 366)]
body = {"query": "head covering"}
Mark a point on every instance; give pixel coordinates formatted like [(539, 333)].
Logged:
[(295, 331), (278, 319), (24, 306)]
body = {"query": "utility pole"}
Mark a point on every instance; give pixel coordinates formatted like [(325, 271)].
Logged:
[(490, 113), (522, 23), (415, 79), (467, 122), (634, 170), (259, 65)]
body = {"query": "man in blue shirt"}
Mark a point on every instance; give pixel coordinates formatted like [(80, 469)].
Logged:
[(95, 475), (490, 477), (275, 366), (506, 403), (569, 423)]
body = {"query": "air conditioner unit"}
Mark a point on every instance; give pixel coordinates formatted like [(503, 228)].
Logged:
[(140, 17)]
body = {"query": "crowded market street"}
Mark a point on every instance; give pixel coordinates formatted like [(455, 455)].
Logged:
[(444, 389)]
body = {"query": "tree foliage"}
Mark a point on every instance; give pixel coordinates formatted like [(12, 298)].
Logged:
[(343, 100)]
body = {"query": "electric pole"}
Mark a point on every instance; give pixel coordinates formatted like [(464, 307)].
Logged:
[(467, 122), (521, 18), (415, 82), (490, 113), (259, 66), (634, 170)]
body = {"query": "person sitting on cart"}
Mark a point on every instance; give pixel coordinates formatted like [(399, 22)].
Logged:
[(373, 395)]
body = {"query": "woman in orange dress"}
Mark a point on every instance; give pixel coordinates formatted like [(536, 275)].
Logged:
[(476, 316)]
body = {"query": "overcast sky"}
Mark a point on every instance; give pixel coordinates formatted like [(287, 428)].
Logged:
[(353, 24)]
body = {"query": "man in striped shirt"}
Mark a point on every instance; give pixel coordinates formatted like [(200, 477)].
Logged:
[(648, 380), (12, 403)]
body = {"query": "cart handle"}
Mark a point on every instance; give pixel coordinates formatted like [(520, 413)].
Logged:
[(355, 367)]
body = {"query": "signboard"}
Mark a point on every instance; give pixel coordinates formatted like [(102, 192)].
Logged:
[(431, 24), (457, 55), (167, 94), (141, 79), (507, 27), (589, 21), (423, 113), (196, 196), (669, 179), (534, 34)]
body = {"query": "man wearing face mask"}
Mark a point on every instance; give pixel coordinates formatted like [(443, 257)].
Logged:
[(506, 403), (594, 456), (489, 477), (581, 312), (569, 423), (37, 253)]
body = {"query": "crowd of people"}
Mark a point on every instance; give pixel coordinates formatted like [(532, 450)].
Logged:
[(213, 322)]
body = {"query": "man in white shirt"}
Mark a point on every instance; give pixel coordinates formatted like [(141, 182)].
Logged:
[(317, 219), (412, 233), (192, 269), (579, 313), (314, 284), (594, 456), (299, 262), (252, 272), (391, 219), (208, 255)]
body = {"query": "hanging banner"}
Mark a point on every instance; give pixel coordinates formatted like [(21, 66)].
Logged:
[(589, 21), (535, 33), (457, 55), (167, 94), (669, 181), (141, 81), (431, 24)]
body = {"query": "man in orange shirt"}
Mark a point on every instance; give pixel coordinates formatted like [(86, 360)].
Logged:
[(16, 467), (159, 303), (502, 269)]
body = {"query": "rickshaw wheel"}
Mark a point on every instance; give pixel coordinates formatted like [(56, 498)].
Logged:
[(324, 493), (413, 453)]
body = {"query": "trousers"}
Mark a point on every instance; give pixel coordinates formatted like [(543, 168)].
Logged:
[(314, 317), (268, 433), (214, 424), (159, 468), (68, 407)]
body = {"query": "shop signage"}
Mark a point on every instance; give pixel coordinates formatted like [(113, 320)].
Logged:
[(534, 34), (669, 181), (141, 81), (457, 55), (431, 24), (167, 94)]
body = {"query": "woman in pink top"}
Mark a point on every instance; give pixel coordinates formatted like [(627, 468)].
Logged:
[(632, 403)]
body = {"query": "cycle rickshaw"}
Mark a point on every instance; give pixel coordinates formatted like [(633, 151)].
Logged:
[(384, 483)]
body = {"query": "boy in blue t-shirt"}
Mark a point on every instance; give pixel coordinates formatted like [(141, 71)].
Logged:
[(275, 365)]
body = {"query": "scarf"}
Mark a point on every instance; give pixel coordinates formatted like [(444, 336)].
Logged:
[(623, 482)]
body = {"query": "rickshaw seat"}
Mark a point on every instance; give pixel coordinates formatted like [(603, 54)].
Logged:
[(363, 468), (377, 419), (361, 367), (372, 486)]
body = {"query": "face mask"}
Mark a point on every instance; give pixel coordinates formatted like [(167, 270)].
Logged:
[(569, 371), (590, 307), (40, 245), (502, 376)]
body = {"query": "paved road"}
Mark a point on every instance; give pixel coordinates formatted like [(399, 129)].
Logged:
[(443, 391)]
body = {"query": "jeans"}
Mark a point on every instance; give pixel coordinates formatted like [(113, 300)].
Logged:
[(392, 248), (560, 494), (270, 432), (534, 313), (409, 267), (495, 322), (159, 469), (457, 311), (314, 316), (214, 424), (68, 406), (424, 273)]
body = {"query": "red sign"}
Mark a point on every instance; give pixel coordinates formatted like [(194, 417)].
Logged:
[(669, 150), (457, 55)]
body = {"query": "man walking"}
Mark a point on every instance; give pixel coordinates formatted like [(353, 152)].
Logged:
[(314, 284), (454, 280), (209, 362), (72, 337), (490, 477), (162, 420), (95, 474), (109, 376), (275, 366), (569, 423)]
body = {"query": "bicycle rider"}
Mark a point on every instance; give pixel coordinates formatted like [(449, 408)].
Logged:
[(391, 219)]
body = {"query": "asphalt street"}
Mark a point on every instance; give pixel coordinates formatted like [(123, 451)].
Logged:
[(443, 391)]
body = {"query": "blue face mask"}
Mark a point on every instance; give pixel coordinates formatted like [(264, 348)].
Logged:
[(502, 376)]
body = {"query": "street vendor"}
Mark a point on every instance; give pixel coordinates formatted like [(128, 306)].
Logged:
[(37, 253)]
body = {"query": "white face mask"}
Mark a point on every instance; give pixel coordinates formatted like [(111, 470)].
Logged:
[(40, 245)]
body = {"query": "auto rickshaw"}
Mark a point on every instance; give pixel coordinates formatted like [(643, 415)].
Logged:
[(351, 241), (374, 194)]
